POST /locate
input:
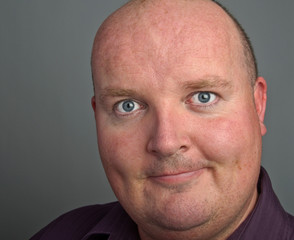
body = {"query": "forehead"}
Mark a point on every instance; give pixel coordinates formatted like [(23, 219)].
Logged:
[(173, 37)]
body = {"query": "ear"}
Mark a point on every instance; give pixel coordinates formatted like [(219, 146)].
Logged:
[(260, 97), (93, 103)]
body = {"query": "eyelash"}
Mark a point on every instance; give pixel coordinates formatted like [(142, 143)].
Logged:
[(127, 114), (203, 105)]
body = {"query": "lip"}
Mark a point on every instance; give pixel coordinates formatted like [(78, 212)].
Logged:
[(178, 178)]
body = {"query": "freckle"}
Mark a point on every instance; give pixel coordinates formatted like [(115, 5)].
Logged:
[(239, 165)]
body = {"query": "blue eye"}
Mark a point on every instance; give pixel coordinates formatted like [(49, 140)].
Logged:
[(127, 106), (203, 97)]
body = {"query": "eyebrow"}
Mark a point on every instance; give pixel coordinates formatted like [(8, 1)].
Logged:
[(210, 82), (116, 92)]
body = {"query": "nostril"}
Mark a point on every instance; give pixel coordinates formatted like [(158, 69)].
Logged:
[(166, 148), (183, 147)]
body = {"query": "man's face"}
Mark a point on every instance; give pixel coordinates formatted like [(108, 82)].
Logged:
[(178, 132)]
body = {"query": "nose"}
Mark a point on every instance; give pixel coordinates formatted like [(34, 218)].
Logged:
[(169, 135)]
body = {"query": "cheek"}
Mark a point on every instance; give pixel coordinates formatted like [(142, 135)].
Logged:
[(233, 146), (121, 153), (230, 140)]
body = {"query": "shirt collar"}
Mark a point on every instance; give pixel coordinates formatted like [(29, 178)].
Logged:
[(267, 219), (116, 224)]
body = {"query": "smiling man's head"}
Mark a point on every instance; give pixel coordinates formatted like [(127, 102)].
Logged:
[(179, 117)]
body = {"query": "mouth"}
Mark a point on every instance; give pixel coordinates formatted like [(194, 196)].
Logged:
[(179, 178)]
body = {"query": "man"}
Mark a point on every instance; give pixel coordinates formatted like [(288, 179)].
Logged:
[(179, 112)]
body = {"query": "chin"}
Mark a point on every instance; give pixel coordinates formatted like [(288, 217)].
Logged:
[(182, 215)]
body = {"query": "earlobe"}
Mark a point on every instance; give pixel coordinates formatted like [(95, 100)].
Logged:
[(260, 98), (93, 103)]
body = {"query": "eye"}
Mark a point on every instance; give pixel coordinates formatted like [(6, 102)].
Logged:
[(203, 98), (127, 106)]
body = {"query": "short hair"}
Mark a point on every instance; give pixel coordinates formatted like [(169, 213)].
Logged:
[(248, 51)]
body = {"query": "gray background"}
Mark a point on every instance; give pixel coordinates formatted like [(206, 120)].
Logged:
[(49, 159)]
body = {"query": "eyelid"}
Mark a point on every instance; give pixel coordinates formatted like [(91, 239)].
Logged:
[(202, 105), (125, 114)]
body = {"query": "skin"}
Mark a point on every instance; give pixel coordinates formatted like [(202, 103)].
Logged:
[(182, 169)]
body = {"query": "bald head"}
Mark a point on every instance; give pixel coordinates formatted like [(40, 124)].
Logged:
[(157, 27), (172, 97), (248, 52)]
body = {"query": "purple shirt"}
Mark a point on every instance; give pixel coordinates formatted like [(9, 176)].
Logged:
[(268, 221)]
